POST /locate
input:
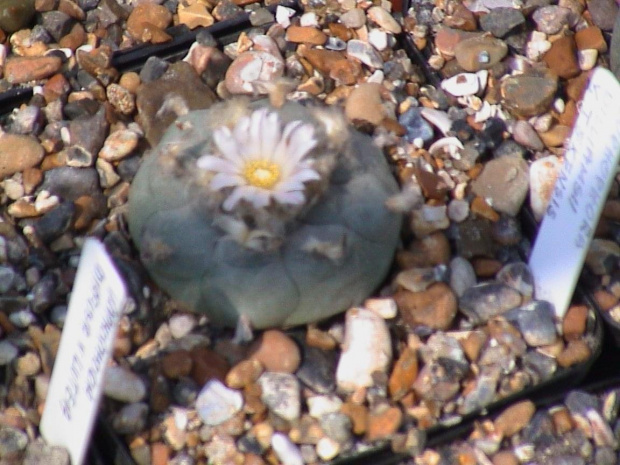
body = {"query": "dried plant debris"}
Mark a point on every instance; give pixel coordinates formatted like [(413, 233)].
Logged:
[(455, 326)]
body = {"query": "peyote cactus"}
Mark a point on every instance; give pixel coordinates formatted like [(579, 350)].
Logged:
[(277, 214)]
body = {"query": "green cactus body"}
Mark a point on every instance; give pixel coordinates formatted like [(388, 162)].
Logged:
[(320, 258)]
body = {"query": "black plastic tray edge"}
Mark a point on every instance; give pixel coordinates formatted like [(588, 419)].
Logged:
[(132, 59)]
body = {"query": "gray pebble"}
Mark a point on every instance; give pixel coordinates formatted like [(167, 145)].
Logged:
[(260, 17), (89, 132), (462, 275), (354, 18), (123, 385), (509, 148), (507, 230), (185, 392), (501, 21), (28, 120), (365, 53), (552, 18), (317, 369), (57, 23), (540, 366), (55, 222), (22, 318), (335, 43), (337, 426), (604, 13), (415, 125), (38, 452), (131, 418), (280, 393), (8, 352), (535, 321), (182, 459), (525, 134), (7, 279), (70, 183), (12, 441), (484, 301), (504, 183), (517, 275)]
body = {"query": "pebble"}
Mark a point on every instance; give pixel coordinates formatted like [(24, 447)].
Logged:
[(462, 275), (177, 364), (18, 153), (281, 394), (365, 104), (286, 451), (354, 18), (590, 37), (123, 385), (147, 22), (486, 300), (480, 52), (383, 422), (435, 307), (131, 418), (528, 95), (16, 15), (317, 369), (366, 349), (28, 364), (327, 448), (276, 352), (526, 135), (501, 21), (384, 19), (462, 84), (403, 374), (250, 68), (562, 57), (603, 13), (458, 210), (550, 19), (216, 403), (514, 418), (543, 175), (181, 324), (12, 441), (517, 275), (535, 321), (575, 321), (365, 53), (305, 34), (121, 99), (575, 352), (38, 452), (19, 70), (8, 352), (195, 15), (415, 125), (504, 183)]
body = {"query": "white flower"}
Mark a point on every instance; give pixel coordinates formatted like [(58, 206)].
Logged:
[(258, 160)]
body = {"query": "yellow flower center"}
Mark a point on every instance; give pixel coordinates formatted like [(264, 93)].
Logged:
[(261, 173)]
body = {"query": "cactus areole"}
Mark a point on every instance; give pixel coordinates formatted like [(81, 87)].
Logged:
[(276, 214)]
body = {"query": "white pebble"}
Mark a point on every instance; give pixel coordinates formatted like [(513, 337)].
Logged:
[(307, 19), (378, 39), (181, 324), (366, 349), (587, 58), (458, 210), (286, 450), (322, 405), (283, 15), (123, 385), (281, 394), (216, 403), (543, 174), (462, 84), (327, 448), (385, 307)]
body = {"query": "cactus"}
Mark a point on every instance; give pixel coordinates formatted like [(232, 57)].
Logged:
[(250, 244)]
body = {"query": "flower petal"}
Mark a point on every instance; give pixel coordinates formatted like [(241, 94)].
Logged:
[(233, 199), (222, 180), (301, 142), (217, 164), (227, 145), (306, 174), (290, 197), (271, 134), (241, 133), (289, 185)]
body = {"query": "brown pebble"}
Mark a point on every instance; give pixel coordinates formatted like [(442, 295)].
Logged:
[(404, 374), (305, 34), (130, 81), (562, 58), (473, 344), (276, 351), (244, 373), (514, 418), (574, 352), (208, 365), (435, 307), (195, 15), (364, 104), (505, 457), (19, 70), (160, 453), (604, 299), (322, 60), (147, 21), (75, 38), (431, 250), (56, 87), (486, 267), (574, 324), (562, 420), (590, 37), (346, 72), (320, 339), (383, 422), (557, 136), (31, 178), (358, 415), (17, 153), (177, 364)]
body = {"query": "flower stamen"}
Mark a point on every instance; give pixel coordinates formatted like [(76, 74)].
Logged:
[(261, 173)]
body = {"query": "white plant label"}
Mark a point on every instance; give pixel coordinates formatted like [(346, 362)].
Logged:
[(96, 305), (579, 193)]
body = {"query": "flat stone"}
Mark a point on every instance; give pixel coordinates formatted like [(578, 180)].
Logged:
[(435, 307), (479, 53), (528, 95), (18, 153), (501, 21), (562, 58), (504, 184), (19, 70)]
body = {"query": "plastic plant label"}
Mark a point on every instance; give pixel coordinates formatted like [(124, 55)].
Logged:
[(579, 193), (96, 305)]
